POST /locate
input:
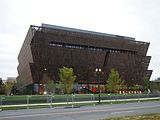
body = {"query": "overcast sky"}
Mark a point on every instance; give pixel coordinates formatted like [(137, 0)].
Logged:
[(134, 18)]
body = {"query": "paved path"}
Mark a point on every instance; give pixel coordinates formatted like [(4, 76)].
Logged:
[(83, 113)]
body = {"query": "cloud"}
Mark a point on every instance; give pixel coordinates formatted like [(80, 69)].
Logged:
[(137, 18)]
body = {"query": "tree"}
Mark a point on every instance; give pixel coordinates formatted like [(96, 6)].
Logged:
[(146, 84), (1, 82), (67, 79), (2, 87), (50, 87), (19, 87), (135, 87), (49, 83), (114, 82), (9, 86), (154, 87)]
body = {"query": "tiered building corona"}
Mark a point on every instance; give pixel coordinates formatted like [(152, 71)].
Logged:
[(48, 47)]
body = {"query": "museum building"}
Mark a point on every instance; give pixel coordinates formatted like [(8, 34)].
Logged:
[(47, 48)]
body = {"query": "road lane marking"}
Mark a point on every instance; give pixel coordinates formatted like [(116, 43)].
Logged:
[(121, 112), (76, 112)]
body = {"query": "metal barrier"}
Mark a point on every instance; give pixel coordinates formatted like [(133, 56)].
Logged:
[(39, 101)]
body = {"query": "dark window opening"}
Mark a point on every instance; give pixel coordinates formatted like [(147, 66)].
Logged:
[(93, 48)]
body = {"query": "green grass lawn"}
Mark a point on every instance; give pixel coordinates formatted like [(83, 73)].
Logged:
[(138, 117)]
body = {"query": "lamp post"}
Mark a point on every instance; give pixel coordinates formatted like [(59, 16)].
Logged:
[(98, 71), (41, 85)]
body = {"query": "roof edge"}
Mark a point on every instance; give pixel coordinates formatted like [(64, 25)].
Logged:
[(85, 31)]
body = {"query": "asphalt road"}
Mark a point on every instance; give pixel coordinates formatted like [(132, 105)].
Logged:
[(83, 113)]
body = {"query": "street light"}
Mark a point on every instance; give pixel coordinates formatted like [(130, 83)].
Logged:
[(41, 85), (98, 71)]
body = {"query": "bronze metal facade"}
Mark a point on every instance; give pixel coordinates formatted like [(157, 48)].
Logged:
[(50, 47)]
